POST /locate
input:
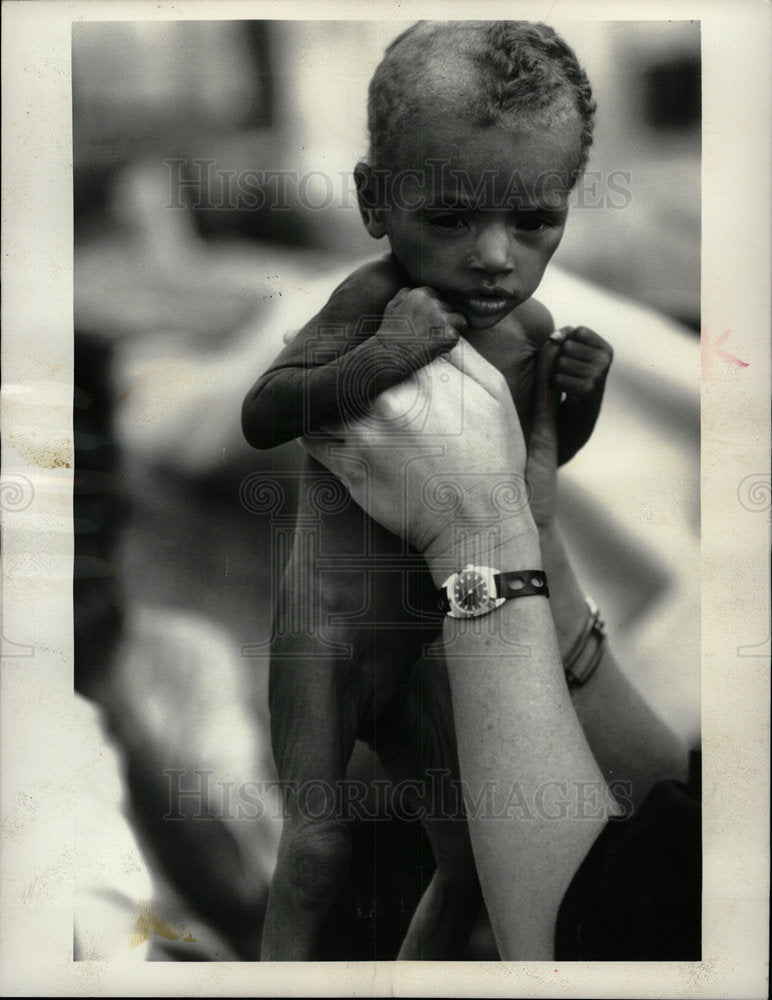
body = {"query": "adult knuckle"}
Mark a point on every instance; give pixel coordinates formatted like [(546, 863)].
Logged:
[(391, 402), (500, 382)]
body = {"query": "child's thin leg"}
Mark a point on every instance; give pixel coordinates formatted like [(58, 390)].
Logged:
[(331, 667), (422, 745), (443, 921), (313, 737), (313, 676)]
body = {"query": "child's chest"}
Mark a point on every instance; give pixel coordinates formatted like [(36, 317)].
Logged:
[(509, 348)]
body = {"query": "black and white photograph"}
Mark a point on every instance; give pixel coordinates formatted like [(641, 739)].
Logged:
[(386, 501)]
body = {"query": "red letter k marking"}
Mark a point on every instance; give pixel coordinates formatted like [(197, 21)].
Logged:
[(707, 348)]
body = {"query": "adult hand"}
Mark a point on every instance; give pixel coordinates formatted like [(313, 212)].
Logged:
[(438, 452)]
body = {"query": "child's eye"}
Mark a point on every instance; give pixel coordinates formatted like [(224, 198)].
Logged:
[(539, 220), (532, 222), (448, 221)]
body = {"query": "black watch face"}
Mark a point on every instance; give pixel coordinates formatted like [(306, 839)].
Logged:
[(470, 591)]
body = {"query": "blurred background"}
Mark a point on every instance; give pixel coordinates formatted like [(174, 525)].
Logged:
[(214, 212)]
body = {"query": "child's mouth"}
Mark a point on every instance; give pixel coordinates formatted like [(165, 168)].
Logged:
[(488, 302), (488, 306)]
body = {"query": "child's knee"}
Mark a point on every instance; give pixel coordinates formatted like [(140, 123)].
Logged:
[(316, 856)]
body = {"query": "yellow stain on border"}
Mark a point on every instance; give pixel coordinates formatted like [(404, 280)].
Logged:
[(149, 923)]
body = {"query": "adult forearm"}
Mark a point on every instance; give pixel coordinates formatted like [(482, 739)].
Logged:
[(632, 744), (524, 761)]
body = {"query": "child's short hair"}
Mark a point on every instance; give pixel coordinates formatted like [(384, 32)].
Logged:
[(498, 69)]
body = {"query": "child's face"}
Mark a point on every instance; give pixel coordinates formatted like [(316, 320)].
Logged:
[(480, 218)]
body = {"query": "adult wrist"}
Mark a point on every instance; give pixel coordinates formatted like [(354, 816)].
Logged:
[(502, 547)]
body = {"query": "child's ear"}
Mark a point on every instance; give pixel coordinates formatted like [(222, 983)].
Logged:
[(370, 199)]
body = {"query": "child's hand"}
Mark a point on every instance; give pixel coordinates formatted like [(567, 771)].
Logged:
[(420, 314), (416, 326), (582, 363), (580, 372)]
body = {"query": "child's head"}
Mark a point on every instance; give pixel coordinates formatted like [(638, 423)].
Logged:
[(504, 73), (475, 117)]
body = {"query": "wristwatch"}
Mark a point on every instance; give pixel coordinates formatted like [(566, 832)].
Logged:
[(477, 590)]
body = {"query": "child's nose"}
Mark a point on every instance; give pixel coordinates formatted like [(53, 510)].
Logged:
[(493, 252)]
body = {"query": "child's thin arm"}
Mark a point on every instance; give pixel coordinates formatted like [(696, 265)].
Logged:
[(580, 373), (337, 365), (289, 402), (286, 400)]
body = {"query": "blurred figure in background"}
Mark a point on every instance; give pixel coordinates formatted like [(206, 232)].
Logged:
[(173, 702)]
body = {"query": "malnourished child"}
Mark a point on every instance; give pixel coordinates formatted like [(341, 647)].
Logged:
[(478, 133)]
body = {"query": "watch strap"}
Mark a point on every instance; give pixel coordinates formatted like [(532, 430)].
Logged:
[(518, 583), (585, 656), (521, 583)]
